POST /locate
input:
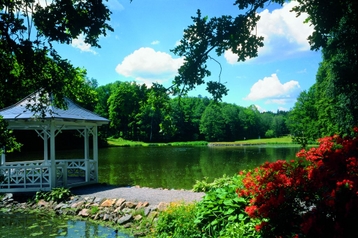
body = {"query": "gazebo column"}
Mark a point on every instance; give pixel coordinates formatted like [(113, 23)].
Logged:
[(95, 152), (53, 154), (3, 156), (45, 138), (86, 155)]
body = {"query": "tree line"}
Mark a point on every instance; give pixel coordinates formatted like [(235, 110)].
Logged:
[(147, 114)]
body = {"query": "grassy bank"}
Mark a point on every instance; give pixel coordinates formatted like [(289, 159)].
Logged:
[(127, 143)]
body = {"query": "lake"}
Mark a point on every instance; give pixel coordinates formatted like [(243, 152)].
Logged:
[(171, 166), (180, 167)]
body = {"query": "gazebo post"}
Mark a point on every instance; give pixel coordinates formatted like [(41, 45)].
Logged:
[(95, 151), (45, 138), (3, 156), (86, 155), (52, 155)]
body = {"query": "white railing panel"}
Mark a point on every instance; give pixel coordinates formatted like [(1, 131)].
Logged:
[(35, 175)]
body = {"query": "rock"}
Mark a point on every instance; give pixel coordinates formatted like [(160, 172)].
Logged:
[(139, 234), (130, 204), (127, 225), (89, 199), (162, 206), (59, 206), (124, 219), (106, 217), (138, 217), (42, 203), (98, 200), (147, 210), (84, 212), (126, 210), (152, 215), (141, 205), (120, 202), (77, 204), (8, 196), (108, 203)]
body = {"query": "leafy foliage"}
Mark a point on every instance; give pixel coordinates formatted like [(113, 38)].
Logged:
[(177, 221), (221, 210), (7, 140), (55, 195)]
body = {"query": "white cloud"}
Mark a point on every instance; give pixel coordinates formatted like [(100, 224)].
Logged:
[(114, 5), (271, 88), (146, 65), (80, 44), (156, 42), (284, 33), (261, 109)]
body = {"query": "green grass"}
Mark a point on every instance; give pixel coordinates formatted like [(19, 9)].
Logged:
[(126, 143), (280, 140)]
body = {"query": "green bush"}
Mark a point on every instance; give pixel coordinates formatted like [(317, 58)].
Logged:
[(55, 195), (221, 213), (177, 221), (205, 186), (270, 134)]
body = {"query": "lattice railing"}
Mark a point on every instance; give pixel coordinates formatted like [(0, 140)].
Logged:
[(36, 175), (25, 176), (74, 172)]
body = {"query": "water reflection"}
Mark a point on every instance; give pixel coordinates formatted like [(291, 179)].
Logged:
[(176, 167), (43, 225), (180, 167)]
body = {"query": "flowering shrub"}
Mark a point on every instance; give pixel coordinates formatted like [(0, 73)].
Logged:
[(315, 195)]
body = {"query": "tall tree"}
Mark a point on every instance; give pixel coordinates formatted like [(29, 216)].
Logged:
[(303, 119), (124, 107), (27, 30), (212, 123)]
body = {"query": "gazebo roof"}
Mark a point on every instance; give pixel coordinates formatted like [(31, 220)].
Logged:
[(74, 113)]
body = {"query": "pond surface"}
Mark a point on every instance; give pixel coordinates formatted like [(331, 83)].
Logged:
[(180, 167), (42, 225), (172, 166)]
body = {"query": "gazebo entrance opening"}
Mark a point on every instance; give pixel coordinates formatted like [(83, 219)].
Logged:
[(49, 171)]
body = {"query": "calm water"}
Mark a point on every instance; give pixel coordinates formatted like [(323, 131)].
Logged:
[(42, 225), (174, 167), (180, 167)]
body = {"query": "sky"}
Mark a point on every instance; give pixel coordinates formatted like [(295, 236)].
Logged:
[(146, 30)]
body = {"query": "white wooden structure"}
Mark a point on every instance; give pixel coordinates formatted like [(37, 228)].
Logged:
[(48, 172)]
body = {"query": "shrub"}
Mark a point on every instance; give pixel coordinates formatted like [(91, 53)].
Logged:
[(313, 196), (177, 221), (55, 195), (221, 213), (205, 186)]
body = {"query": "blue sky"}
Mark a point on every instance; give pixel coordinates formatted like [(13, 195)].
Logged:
[(146, 30)]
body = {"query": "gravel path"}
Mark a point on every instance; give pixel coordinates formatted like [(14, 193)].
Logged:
[(136, 194)]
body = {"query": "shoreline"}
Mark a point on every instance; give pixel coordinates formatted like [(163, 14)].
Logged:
[(127, 209)]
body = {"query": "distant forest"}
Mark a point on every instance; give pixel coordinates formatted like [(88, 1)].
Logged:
[(147, 114)]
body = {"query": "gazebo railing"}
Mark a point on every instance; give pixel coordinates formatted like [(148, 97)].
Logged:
[(36, 175), (75, 172), (31, 176)]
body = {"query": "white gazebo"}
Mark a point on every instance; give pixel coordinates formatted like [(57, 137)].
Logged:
[(48, 172)]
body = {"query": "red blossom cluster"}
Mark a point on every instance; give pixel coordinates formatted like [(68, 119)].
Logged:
[(315, 195)]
